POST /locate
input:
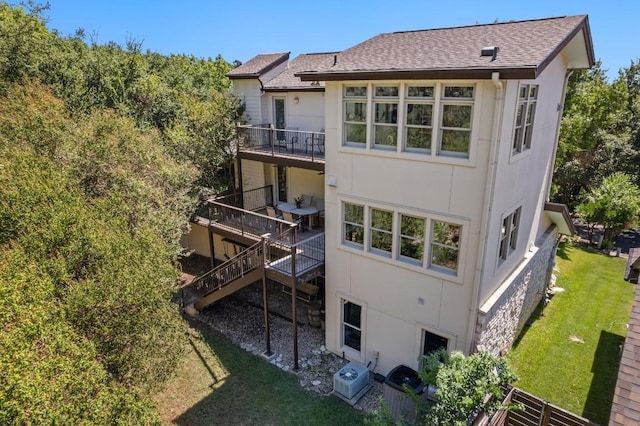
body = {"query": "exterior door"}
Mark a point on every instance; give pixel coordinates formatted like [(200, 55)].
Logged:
[(282, 184), (279, 113)]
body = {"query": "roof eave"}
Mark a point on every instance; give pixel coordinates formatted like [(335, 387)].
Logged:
[(295, 89), (560, 216), (525, 72)]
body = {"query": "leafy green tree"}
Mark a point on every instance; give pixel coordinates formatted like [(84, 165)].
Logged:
[(90, 217), (615, 205), (463, 384)]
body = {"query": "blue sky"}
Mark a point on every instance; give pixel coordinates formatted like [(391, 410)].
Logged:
[(243, 29)]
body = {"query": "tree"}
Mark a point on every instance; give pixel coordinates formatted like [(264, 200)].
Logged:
[(465, 385), (615, 205), (90, 217)]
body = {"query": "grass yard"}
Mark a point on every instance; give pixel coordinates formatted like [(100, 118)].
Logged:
[(569, 354), (221, 384)]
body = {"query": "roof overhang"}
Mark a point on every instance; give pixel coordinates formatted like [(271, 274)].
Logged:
[(559, 215), (294, 89), (524, 73)]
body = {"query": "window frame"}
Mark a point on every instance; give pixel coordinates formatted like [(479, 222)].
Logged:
[(395, 256), (430, 147), (455, 247), (526, 106), (509, 230), (353, 100), (355, 225), (423, 101), (389, 232), (382, 99), (420, 239), (358, 328), (456, 101)]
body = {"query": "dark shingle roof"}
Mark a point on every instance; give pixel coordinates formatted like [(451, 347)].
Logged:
[(625, 409), (523, 45), (258, 65), (309, 61)]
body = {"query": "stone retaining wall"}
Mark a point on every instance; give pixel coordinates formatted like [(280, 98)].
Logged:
[(501, 320)]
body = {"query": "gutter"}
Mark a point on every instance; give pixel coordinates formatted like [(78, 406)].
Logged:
[(489, 192)]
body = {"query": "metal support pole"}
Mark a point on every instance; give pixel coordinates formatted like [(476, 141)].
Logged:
[(265, 296), (211, 242), (294, 315)]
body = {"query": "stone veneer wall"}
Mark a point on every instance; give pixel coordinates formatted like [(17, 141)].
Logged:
[(500, 321)]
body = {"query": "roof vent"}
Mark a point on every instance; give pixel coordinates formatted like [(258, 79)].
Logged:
[(490, 51)]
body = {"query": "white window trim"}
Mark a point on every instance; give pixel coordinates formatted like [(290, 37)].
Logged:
[(509, 248), (395, 259), (522, 147), (347, 350), (419, 340), (433, 155)]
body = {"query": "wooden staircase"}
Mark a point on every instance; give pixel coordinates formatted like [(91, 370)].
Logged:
[(225, 279)]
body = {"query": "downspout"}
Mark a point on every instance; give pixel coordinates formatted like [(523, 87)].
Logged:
[(557, 140), (486, 209)]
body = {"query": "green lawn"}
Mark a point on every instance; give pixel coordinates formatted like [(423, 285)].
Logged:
[(570, 352), (221, 384)]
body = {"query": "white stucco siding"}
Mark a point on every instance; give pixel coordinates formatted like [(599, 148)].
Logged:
[(248, 90), (521, 179), (400, 301), (306, 115)]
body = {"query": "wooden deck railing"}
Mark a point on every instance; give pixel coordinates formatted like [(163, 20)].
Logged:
[(229, 271), (282, 142), (253, 199), (248, 223)]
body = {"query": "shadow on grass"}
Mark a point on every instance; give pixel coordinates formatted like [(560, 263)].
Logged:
[(255, 392), (605, 373), (536, 315), (561, 252)]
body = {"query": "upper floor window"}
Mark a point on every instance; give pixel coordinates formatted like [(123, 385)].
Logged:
[(432, 119), (355, 115), (509, 233), (419, 118), (525, 113), (457, 109), (385, 123)]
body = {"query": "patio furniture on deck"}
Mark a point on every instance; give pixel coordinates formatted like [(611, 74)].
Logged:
[(287, 139), (271, 212), (314, 143)]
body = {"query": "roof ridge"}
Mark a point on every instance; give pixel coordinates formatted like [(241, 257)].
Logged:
[(486, 25)]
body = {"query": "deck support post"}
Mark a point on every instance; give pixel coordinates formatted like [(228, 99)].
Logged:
[(211, 244), (265, 298), (294, 315)]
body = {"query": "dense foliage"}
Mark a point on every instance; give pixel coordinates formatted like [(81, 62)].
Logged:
[(600, 132), (102, 151)]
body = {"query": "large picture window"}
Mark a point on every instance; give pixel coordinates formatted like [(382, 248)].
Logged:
[(403, 238), (429, 119), (351, 325), (525, 113), (355, 115)]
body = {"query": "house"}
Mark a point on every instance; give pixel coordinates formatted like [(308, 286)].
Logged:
[(432, 153)]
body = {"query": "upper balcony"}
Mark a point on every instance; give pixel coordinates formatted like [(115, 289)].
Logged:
[(287, 147)]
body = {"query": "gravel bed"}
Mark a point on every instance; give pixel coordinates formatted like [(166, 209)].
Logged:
[(240, 317)]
